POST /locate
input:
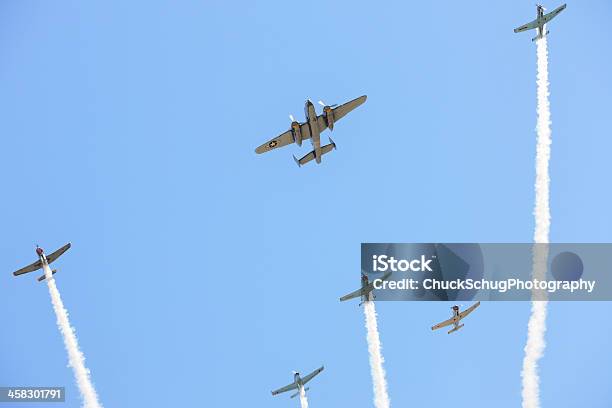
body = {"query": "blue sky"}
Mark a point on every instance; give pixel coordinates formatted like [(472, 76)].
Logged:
[(201, 273)]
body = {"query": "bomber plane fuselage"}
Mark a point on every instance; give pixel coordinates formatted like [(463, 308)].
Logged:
[(313, 125)]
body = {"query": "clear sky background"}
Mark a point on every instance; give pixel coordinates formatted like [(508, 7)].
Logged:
[(201, 273)]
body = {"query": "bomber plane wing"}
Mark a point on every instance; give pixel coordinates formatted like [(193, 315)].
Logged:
[(337, 113), (284, 139)]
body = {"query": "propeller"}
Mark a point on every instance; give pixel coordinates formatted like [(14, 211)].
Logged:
[(292, 118), (324, 104)]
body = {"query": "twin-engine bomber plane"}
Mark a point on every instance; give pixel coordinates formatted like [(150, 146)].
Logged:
[(457, 317), (43, 260), (366, 288), (311, 129), (298, 383), (540, 21)]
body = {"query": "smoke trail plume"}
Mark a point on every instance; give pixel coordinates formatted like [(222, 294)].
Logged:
[(534, 349), (303, 399), (75, 357), (381, 397)]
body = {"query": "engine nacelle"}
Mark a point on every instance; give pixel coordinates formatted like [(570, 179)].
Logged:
[(297, 133), (329, 116)]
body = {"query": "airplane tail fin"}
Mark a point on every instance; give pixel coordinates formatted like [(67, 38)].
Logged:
[(369, 298), (43, 277), (331, 143), (537, 37), (455, 329), (298, 393), (311, 156)]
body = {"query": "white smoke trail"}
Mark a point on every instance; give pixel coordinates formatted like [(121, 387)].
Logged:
[(381, 397), (75, 357), (534, 349), (303, 399), (542, 209)]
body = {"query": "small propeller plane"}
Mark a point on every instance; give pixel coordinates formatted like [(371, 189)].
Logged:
[(457, 317), (540, 21), (366, 288), (311, 129), (298, 383), (43, 260)]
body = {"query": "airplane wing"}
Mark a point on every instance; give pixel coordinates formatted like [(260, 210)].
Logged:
[(286, 388), (443, 324), (352, 295), (283, 139), (554, 13), (340, 111), (364, 291), (468, 310), (528, 26), (312, 375), (30, 268), (52, 257)]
